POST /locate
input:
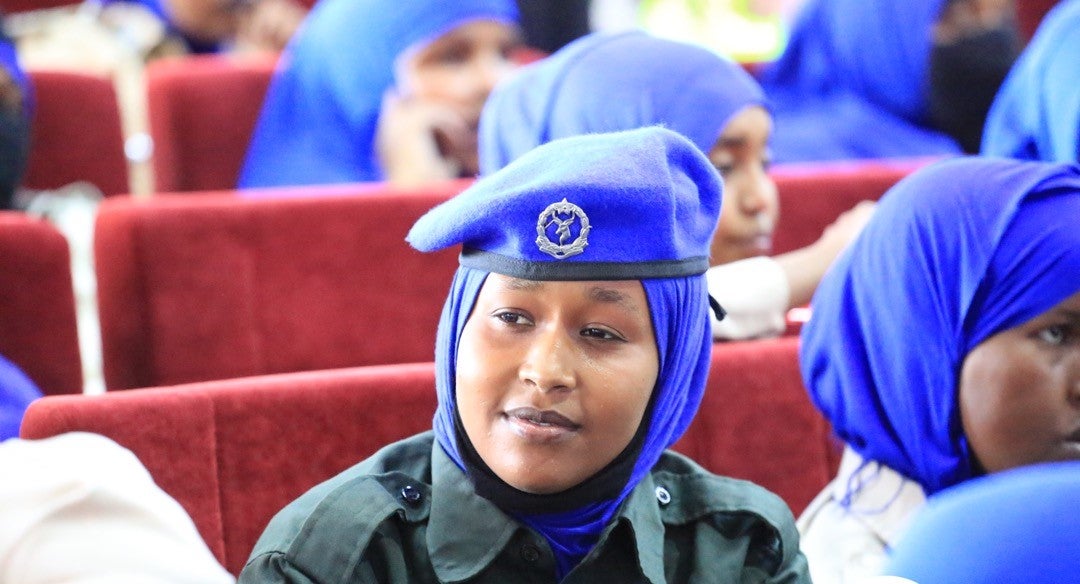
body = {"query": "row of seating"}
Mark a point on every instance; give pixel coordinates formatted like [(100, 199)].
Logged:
[(234, 452), (193, 288)]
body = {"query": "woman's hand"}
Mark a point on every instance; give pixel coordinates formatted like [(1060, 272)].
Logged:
[(421, 141)]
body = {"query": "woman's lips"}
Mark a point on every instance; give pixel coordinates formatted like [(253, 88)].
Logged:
[(537, 425)]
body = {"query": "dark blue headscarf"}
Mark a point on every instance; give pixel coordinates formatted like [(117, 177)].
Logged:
[(16, 393), (1036, 114), (608, 82), (320, 115), (1019, 525), (652, 200), (853, 82), (954, 254)]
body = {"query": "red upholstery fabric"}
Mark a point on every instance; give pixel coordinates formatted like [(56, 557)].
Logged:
[(202, 112), (15, 6), (1029, 13), (812, 196), (757, 423), (215, 286), (76, 133), (37, 305), (234, 452)]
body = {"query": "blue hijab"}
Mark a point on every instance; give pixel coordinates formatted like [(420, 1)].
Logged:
[(606, 82), (612, 177), (1036, 114), (16, 393), (1019, 525), (954, 254), (853, 82), (319, 119)]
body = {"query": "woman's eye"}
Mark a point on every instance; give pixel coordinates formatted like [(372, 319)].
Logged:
[(515, 318), (601, 334), (1054, 335)]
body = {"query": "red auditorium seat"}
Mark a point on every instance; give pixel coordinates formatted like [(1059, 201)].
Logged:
[(1029, 13), (202, 113), (16, 6), (217, 286), (234, 452), (37, 307), (76, 133), (812, 196)]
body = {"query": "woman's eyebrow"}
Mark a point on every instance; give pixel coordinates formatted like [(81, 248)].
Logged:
[(610, 295)]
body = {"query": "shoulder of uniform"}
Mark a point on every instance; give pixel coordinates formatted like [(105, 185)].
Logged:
[(346, 512), (734, 507)]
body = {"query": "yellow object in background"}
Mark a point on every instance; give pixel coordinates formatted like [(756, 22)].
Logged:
[(747, 31)]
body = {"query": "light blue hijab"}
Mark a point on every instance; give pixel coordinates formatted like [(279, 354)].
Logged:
[(1019, 525), (955, 253), (607, 82), (853, 82), (319, 119), (1036, 114)]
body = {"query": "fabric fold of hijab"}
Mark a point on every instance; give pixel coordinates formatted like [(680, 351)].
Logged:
[(851, 65), (955, 253), (318, 122), (1036, 114), (608, 82)]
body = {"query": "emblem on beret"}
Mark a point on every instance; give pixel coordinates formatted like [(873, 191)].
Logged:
[(555, 230)]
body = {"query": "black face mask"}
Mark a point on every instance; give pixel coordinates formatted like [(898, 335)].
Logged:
[(14, 150), (964, 78)]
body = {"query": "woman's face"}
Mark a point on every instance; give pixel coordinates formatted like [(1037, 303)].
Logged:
[(553, 378), (1020, 391), (457, 71), (751, 207)]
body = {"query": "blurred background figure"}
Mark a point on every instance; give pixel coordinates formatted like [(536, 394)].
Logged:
[(607, 82), (16, 393), (1015, 526), (888, 78), (14, 121), (373, 90), (1036, 114)]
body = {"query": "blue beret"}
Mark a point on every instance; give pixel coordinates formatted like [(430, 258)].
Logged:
[(618, 206)]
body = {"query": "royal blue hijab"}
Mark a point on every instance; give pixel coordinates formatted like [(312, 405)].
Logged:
[(853, 82), (318, 122), (954, 254), (607, 82), (613, 177), (1036, 114), (16, 393)]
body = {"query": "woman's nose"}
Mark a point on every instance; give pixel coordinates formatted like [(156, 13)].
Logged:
[(758, 194), (548, 362)]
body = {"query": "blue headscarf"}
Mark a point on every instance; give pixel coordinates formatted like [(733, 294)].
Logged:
[(853, 82), (954, 254), (652, 200), (16, 393), (1036, 114), (1019, 525), (319, 119), (608, 82)]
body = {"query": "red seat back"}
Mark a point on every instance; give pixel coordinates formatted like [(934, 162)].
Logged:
[(37, 306), (202, 113), (234, 452), (218, 286), (16, 6), (75, 133), (756, 422), (813, 196)]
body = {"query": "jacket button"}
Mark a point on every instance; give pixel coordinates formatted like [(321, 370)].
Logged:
[(529, 553), (411, 494), (663, 495)]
